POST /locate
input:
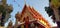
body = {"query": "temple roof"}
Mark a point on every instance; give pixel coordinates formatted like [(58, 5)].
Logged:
[(34, 13)]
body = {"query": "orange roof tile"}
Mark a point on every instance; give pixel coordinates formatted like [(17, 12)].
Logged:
[(34, 13)]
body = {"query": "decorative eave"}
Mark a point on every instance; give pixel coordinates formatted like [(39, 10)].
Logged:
[(34, 13)]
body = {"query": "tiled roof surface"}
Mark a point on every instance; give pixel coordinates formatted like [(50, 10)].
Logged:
[(34, 13)]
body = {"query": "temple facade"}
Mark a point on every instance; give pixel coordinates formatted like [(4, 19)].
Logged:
[(30, 18)]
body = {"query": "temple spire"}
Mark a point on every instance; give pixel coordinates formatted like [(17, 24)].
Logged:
[(25, 2)]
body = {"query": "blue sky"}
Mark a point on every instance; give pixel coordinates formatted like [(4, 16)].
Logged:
[(37, 4)]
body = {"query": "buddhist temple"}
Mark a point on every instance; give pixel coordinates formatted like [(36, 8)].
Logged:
[(30, 18)]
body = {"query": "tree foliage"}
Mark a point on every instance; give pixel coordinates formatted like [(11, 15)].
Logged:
[(2, 10), (56, 3), (5, 10), (50, 13)]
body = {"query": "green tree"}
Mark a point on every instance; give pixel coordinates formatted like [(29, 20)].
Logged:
[(5, 9), (50, 13)]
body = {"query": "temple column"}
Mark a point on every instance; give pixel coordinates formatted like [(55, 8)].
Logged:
[(27, 22)]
